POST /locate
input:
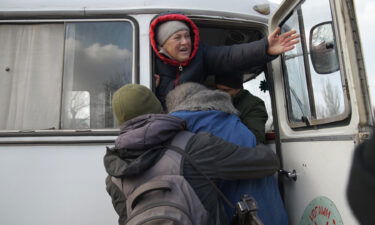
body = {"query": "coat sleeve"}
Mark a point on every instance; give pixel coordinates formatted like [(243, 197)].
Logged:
[(118, 199), (254, 115), (223, 160), (227, 59)]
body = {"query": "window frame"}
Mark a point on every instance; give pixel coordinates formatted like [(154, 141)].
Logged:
[(312, 123), (135, 74)]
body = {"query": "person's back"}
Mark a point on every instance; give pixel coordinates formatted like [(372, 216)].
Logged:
[(142, 141), (212, 111)]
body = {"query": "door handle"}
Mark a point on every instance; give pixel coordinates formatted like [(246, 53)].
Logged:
[(290, 175)]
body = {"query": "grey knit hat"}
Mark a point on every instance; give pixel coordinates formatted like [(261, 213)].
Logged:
[(167, 29)]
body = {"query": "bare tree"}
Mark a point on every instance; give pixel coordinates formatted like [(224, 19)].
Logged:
[(78, 102), (331, 105)]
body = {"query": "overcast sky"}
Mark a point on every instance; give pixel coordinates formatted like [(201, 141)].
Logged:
[(365, 10), (366, 17)]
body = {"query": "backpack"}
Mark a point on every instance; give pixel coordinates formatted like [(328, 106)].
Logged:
[(161, 195)]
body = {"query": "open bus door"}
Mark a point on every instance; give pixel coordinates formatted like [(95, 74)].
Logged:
[(323, 108)]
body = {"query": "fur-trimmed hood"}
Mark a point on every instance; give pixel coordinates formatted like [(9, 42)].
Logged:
[(194, 35), (195, 97)]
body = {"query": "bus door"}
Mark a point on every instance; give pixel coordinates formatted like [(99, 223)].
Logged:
[(322, 106)]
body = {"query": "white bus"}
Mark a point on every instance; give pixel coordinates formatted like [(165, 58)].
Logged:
[(60, 62)]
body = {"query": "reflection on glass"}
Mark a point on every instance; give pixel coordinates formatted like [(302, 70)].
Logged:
[(79, 109), (331, 104), (322, 34), (98, 61)]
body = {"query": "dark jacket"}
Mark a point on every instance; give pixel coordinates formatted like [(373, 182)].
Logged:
[(204, 60), (253, 113), (361, 187), (140, 145)]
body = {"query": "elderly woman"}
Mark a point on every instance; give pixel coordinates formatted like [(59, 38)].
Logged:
[(181, 58)]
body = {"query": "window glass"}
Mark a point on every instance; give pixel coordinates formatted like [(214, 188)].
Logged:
[(314, 92), (98, 60), (62, 75)]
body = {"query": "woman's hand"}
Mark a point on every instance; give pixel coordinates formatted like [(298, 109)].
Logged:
[(280, 43)]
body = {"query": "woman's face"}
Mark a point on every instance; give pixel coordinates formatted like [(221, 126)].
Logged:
[(178, 46)]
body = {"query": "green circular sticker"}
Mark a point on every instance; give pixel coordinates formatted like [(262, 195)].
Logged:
[(321, 211)]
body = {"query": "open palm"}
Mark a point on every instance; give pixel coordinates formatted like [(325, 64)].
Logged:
[(280, 43)]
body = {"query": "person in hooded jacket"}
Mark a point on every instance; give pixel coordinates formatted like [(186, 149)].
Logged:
[(181, 58), (140, 144), (212, 111)]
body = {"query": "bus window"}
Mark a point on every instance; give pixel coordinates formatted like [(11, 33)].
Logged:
[(315, 93), (61, 75)]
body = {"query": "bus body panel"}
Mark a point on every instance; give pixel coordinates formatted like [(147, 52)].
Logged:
[(54, 184), (57, 176)]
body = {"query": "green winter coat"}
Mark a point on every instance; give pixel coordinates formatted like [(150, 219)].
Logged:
[(253, 113)]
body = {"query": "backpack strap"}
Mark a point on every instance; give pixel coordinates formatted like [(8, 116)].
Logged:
[(147, 188), (178, 145)]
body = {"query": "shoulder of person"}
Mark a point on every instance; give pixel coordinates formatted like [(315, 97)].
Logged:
[(245, 97)]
